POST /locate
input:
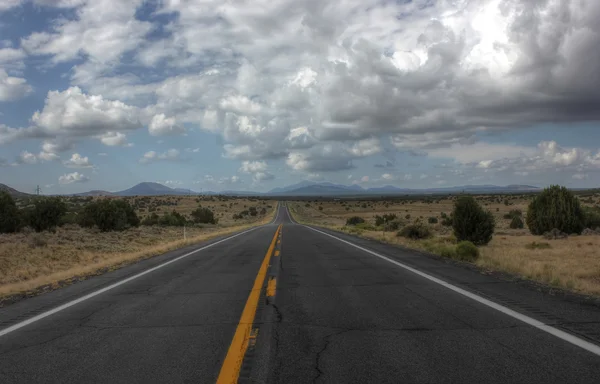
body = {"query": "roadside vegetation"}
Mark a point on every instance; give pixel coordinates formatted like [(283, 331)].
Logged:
[(552, 237), (44, 240)]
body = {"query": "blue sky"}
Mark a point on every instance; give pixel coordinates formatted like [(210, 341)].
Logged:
[(250, 96)]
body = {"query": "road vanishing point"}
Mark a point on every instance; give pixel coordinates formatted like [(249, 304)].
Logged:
[(289, 303)]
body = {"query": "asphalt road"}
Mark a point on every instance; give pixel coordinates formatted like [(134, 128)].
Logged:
[(332, 313)]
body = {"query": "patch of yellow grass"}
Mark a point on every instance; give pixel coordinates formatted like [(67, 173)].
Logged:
[(572, 263), (29, 260)]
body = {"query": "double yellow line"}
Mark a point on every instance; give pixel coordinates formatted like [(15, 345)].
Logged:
[(230, 370)]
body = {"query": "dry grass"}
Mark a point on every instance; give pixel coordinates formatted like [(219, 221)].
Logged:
[(572, 263), (30, 260)]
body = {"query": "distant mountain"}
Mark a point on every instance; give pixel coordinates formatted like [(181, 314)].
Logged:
[(13, 192), (95, 193), (302, 184), (151, 189), (388, 189), (310, 187), (329, 189)]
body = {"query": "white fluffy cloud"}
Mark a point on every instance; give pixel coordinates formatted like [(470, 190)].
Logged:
[(78, 161), (320, 84), (162, 126), (75, 177), (27, 158), (170, 155), (74, 113), (13, 88), (258, 170)]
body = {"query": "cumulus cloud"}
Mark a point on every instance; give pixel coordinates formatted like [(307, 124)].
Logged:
[(13, 88), (74, 113), (75, 177), (170, 155), (103, 30), (162, 126), (78, 161), (258, 170), (321, 84), (548, 156), (26, 157)]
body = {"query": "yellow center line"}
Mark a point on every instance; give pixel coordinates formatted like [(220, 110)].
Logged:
[(271, 286), (230, 370)]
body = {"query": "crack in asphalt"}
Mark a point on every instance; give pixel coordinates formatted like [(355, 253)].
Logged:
[(327, 340)]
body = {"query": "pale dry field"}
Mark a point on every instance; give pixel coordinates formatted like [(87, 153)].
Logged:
[(30, 260), (572, 263)]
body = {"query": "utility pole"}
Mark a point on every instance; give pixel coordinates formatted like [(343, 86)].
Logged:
[(38, 190)]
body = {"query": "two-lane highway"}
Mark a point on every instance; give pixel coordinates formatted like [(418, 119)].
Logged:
[(286, 303)]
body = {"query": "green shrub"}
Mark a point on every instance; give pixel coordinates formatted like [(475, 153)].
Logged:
[(151, 220), (513, 213), (407, 217), (386, 218), (556, 207), (320, 208), (415, 231), (592, 217), (432, 220), (46, 213), (109, 215), (516, 223), (204, 215), (467, 251), (263, 211), (443, 215), (470, 222), (173, 219), (10, 219), (354, 220), (393, 225), (447, 221)]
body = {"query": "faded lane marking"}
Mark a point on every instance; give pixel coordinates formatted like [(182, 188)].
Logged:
[(230, 370)]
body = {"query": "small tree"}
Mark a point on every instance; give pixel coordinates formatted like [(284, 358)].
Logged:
[(46, 213), (109, 215), (470, 222), (556, 207), (10, 220), (203, 215)]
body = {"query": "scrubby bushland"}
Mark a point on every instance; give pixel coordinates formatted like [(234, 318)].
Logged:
[(513, 213), (203, 215), (467, 251), (10, 219), (386, 218), (432, 220), (46, 213), (354, 220), (556, 207), (470, 222), (151, 220), (172, 219), (415, 231), (109, 215), (516, 223), (592, 217)]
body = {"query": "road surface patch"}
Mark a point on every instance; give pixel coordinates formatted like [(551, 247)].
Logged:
[(230, 370)]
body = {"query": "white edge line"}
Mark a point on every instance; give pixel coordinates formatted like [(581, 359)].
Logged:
[(31, 320), (590, 347)]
